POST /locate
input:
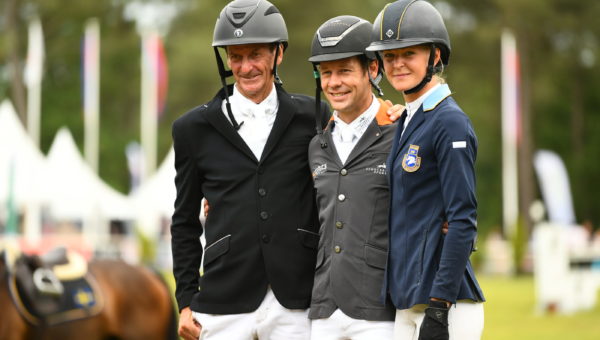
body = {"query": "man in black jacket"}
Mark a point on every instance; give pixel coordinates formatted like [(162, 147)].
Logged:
[(245, 151)]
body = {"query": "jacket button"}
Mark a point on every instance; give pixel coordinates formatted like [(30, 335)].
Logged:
[(337, 249), (262, 192), (344, 172), (264, 215), (339, 225), (341, 197), (265, 238), (260, 170)]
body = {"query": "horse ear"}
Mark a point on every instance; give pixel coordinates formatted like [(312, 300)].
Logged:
[(10, 255)]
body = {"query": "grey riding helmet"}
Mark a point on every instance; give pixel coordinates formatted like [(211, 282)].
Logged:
[(339, 38), (343, 37), (247, 22), (406, 23)]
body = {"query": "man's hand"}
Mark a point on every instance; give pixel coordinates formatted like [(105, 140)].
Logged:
[(445, 227), (189, 329), (435, 323), (395, 111), (206, 207)]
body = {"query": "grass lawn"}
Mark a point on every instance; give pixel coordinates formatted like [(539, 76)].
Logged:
[(510, 314)]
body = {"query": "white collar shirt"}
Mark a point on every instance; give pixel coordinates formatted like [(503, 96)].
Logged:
[(345, 136), (413, 107), (256, 120)]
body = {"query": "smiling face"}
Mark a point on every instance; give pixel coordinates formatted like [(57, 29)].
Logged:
[(406, 67), (346, 85), (252, 67)]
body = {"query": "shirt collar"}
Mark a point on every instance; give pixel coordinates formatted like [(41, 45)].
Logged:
[(245, 107), (413, 106), (360, 124)]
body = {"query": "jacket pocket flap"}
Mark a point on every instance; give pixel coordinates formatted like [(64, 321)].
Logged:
[(375, 257), (308, 238), (216, 249)]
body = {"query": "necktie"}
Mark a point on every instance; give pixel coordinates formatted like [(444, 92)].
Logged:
[(347, 134)]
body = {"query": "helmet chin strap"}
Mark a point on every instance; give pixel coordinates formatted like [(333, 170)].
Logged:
[(375, 81), (277, 79), (428, 75), (223, 75)]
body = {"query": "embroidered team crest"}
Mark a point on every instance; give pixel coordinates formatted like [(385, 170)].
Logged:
[(411, 161)]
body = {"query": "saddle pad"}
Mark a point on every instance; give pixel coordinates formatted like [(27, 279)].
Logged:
[(81, 299)]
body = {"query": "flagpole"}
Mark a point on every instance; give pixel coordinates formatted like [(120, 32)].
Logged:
[(152, 21), (510, 132), (33, 78), (91, 92)]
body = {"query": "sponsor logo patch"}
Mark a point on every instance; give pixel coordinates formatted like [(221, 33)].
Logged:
[(380, 169), (319, 170)]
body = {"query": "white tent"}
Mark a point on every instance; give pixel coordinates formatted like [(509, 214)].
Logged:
[(19, 158), (74, 191), (22, 171), (153, 201)]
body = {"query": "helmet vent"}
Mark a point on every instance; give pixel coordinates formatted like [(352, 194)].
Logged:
[(333, 32), (239, 16), (271, 10)]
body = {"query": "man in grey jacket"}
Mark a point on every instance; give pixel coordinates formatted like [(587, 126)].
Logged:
[(348, 162)]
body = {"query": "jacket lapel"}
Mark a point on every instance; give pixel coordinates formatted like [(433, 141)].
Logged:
[(432, 100), (414, 123), (331, 149), (285, 113), (216, 117), (396, 142)]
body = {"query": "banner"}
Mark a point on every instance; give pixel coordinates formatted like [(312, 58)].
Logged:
[(554, 185)]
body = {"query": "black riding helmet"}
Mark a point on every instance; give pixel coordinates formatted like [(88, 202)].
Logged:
[(339, 38), (406, 23), (247, 22)]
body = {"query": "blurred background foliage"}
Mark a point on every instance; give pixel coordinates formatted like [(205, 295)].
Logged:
[(558, 40)]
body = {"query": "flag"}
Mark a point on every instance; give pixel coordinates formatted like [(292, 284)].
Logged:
[(511, 131), (33, 79), (35, 54), (91, 91), (554, 185), (162, 76)]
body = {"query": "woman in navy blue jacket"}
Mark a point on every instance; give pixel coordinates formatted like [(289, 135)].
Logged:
[(429, 277)]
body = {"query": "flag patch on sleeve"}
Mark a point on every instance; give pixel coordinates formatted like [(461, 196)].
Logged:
[(459, 145)]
